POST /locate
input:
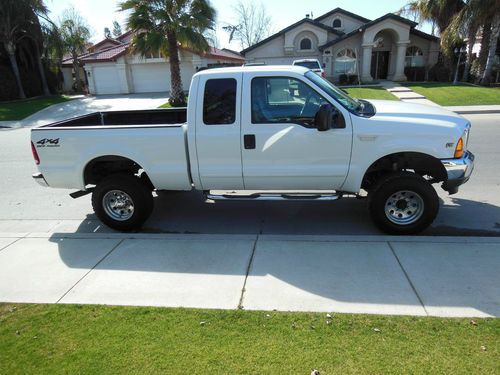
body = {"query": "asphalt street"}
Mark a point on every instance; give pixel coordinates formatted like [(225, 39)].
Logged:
[(27, 207)]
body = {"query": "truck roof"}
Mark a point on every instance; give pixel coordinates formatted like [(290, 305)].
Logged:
[(264, 68)]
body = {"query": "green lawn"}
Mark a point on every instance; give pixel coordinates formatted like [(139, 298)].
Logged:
[(166, 105), (23, 108), (462, 94), (108, 340), (375, 92)]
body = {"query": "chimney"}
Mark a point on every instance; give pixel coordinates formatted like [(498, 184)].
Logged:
[(307, 15)]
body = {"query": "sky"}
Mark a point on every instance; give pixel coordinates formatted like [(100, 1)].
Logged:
[(101, 13)]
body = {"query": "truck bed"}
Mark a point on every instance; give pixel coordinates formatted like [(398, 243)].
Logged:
[(153, 139), (169, 116)]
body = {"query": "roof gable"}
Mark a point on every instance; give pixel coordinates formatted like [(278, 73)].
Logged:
[(369, 24), (291, 27), (345, 13)]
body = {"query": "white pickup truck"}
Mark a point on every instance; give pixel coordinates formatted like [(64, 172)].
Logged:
[(278, 133)]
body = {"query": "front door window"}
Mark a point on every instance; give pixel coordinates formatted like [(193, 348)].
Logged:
[(380, 64)]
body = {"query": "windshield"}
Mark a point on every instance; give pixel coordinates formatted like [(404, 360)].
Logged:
[(339, 95), (308, 64)]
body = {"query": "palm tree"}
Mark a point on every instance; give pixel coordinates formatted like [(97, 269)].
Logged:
[(163, 26), (11, 22), (486, 78), (475, 14), (439, 12), (19, 19), (75, 35)]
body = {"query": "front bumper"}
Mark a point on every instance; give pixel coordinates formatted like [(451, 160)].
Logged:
[(459, 171), (38, 177)]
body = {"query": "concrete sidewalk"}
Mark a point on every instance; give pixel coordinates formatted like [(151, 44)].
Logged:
[(437, 276)]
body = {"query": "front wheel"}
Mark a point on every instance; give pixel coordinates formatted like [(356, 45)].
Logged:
[(122, 202), (403, 203)]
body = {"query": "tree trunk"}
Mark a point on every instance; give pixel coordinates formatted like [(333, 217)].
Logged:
[(483, 53), (11, 51), (76, 68), (470, 46), (486, 79), (177, 98), (41, 69)]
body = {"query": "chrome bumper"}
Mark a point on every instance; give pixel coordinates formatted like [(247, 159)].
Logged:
[(38, 177), (459, 171)]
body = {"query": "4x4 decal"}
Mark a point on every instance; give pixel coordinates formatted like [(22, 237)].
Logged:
[(46, 142)]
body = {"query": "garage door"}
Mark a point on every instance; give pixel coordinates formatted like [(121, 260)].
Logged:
[(151, 77), (106, 80)]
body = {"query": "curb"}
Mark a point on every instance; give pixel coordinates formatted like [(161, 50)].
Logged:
[(477, 112), (252, 237)]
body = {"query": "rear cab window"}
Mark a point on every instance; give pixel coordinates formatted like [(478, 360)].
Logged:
[(219, 101)]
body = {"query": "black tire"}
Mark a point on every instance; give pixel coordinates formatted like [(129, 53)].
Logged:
[(389, 186), (139, 193)]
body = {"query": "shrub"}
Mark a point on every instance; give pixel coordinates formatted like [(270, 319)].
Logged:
[(343, 79), (353, 79), (439, 72)]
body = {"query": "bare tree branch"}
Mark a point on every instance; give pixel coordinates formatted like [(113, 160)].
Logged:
[(253, 24)]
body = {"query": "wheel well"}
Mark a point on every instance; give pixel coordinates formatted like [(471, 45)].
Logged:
[(421, 164), (103, 166)]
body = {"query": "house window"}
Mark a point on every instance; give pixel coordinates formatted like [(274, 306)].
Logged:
[(414, 57), (305, 44), (345, 62), (219, 102), (337, 23)]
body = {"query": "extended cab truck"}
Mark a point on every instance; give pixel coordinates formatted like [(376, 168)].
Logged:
[(274, 130)]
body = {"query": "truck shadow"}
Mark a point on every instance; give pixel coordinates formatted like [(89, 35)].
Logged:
[(353, 273)]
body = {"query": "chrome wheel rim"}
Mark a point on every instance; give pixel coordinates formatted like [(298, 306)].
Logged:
[(118, 205), (404, 207)]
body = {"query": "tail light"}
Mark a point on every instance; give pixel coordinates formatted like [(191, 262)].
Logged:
[(35, 154), (323, 74)]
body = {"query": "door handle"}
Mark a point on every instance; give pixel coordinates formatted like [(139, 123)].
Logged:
[(249, 141)]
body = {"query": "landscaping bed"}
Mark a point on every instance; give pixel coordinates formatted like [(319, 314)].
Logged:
[(103, 339), (18, 110)]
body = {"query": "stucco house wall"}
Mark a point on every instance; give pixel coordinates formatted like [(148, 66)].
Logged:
[(386, 40)]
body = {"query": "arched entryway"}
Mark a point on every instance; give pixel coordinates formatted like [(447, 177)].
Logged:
[(384, 50), (382, 64)]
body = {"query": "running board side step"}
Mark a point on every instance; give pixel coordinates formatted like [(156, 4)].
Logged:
[(275, 197)]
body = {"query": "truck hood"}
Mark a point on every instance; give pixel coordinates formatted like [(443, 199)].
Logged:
[(392, 110)]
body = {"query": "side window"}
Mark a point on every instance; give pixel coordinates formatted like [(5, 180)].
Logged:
[(219, 102), (282, 100)]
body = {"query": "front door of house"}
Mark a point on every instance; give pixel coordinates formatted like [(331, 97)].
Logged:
[(380, 64)]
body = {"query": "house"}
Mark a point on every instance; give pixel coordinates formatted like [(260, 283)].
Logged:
[(110, 67), (389, 47)]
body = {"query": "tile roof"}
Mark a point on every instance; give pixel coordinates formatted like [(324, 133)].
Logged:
[(112, 53), (104, 55)]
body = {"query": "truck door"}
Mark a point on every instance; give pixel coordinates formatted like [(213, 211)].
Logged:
[(218, 131), (282, 149)]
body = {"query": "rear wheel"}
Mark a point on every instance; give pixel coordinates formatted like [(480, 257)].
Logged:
[(122, 202), (403, 203)]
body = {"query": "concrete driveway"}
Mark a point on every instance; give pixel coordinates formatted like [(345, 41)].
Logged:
[(84, 105)]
